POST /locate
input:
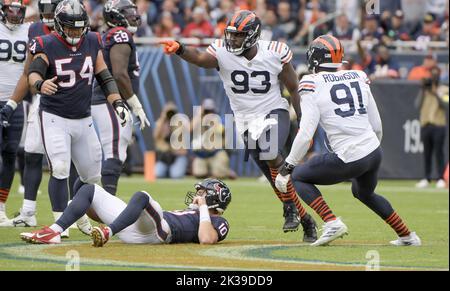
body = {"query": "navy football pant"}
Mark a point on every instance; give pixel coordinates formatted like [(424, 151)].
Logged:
[(328, 169)]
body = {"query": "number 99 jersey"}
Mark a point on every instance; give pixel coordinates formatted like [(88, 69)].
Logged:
[(252, 86), (13, 51), (74, 67)]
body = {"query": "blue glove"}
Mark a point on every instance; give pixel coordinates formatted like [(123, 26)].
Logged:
[(6, 112)]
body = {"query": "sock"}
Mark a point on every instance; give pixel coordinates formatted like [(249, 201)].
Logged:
[(131, 213), (111, 170), (78, 207), (321, 208), (55, 227), (2, 206), (290, 195), (28, 207), (397, 224), (32, 175), (58, 191), (4, 192), (72, 178)]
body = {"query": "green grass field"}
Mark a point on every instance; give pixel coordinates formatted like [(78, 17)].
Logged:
[(255, 241)]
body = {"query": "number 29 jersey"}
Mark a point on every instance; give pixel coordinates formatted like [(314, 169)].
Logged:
[(252, 86), (13, 51), (74, 68)]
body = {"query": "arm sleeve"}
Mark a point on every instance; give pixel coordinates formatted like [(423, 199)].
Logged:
[(308, 125), (222, 227)]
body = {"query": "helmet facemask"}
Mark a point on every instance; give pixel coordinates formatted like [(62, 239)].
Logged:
[(47, 12), (13, 14), (217, 195), (71, 26), (233, 37), (122, 13)]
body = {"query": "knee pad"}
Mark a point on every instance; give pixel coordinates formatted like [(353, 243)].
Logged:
[(112, 167), (60, 169)]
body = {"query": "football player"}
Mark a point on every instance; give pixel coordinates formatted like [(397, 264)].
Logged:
[(120, 55), (341, 101), (143, 220), (34, 150), (64, 64), (251, 71), (13, 51)]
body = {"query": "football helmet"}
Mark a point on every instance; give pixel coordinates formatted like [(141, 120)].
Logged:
[(122, 13), (71, 21), (326, 51), (217, 197), (47, 11), (12, 13), (242, 32)]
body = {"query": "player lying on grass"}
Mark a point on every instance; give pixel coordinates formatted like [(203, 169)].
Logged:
[(143, 221)]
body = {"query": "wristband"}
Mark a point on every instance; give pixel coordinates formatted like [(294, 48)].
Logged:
[(204, 213), (12, 104), (38, 85), (181, 49)]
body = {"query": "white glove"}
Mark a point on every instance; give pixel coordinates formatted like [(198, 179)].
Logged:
[(281, 182), (136, 107), (122, 112)]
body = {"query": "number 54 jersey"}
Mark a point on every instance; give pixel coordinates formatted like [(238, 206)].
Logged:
[(252, 86), (13, 51), (74, 68)]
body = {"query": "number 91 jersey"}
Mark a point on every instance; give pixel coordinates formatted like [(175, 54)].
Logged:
[(13, 50), (74, 67), (252, 86)]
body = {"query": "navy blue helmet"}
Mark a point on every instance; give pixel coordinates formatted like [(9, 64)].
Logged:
[(242, 32), (47, 11), (71, 21), (122, 13), (12, 13), (217, 197)]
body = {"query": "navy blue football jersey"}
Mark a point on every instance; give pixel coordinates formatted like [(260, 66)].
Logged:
[(38, 29), (113, 36), (184, 225), (74, 67)]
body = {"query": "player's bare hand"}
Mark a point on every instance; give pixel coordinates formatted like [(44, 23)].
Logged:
[(170, 46), (49, 87), (199, 200)]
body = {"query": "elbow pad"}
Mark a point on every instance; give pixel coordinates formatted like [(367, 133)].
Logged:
[(107, 83), (38, 66)]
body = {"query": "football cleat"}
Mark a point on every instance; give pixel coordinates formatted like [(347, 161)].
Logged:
[(410, 240), (84, 225), (100, 235), (65, 234), (441, 184), (422, 184), (45, 235), (291, 217), (4, 221), (23, 220), (309, 228), (332, 230)]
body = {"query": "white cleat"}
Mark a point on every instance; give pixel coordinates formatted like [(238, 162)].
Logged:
[(4, 221), (84, 225), (441, 184), (331, 231), (411, 240), (423, 184), (24, 220)]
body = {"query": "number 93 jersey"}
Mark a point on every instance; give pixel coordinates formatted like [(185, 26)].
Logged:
[(74, 67), (13, 51), (252, 86)]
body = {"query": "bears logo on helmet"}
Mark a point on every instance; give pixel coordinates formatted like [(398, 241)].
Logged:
[(326, 51), (244, 27)]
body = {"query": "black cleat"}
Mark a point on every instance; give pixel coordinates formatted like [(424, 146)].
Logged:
[(291, 217), (309, 229)]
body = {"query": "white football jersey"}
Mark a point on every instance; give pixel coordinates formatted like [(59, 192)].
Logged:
[(252, 86), (13, 51), (342, 103)]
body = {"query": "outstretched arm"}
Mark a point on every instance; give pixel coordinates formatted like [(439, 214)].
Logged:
[(289, 78), (191, 55)]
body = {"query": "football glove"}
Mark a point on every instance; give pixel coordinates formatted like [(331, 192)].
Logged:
[(136, 107), (122, 111), (6, 112), (172, 47), (282, 179)]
